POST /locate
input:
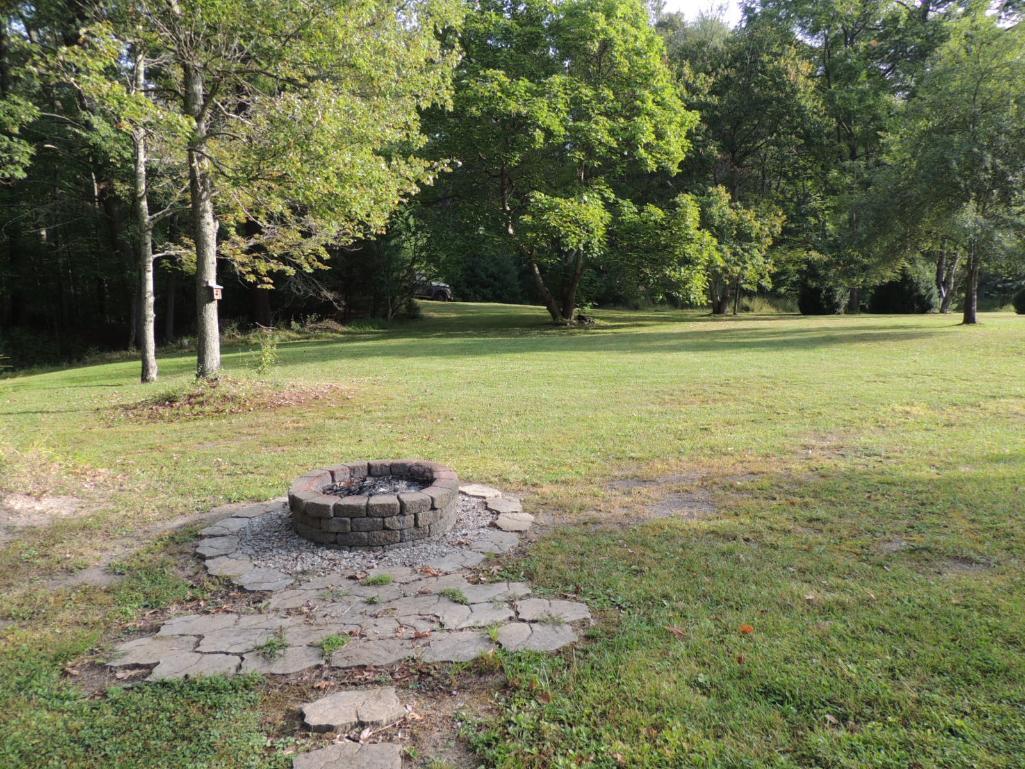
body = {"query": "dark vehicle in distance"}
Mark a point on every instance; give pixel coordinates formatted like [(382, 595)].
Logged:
[(433, 289)]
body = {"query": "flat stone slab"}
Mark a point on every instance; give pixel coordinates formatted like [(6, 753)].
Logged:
[(197, 624), (494, 541), (361, 652), (347, 710), (224, 527), (460, 646), (238, 640), (151, 649), (214, 547), (194, 665), (479, 490), (229, 566), (291, 660), (523, 636), (462, 559), (514, 521), (259, 580), (504, 505), (541, 609), (352, 755)]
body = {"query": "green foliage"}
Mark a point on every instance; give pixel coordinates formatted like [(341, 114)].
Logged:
[(913, 290), (274, 646), (266, 351), (1019, 302), (741, 259), (554, 104), (658, 255), (332, 643), (455, 595), (378, 580)]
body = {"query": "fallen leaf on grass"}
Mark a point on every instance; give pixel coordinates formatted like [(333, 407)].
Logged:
[(747, 629), (679, 632)]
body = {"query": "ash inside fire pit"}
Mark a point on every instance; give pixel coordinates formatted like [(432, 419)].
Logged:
[(388, 484)]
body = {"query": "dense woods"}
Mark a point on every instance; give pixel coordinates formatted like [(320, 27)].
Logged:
[(170, 165)]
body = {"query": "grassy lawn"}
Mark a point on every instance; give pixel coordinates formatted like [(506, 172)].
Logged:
[(855, 600)]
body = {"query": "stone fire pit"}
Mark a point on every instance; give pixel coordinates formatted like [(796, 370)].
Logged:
[(375, 504)]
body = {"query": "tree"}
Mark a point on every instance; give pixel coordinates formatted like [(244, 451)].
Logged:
[(555, 104), (303, 125), (961, 143), (741, 257)]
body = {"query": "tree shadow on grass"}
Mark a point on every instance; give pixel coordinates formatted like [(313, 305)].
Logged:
[(723, 340)]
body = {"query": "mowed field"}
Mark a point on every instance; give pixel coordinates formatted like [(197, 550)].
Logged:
[(802, 538)]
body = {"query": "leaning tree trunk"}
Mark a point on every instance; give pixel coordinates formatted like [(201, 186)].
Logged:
[(144, 255), (569, 295), (204, 230), (971, 297)]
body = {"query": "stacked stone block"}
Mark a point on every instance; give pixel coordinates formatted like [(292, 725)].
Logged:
[(378, 520)]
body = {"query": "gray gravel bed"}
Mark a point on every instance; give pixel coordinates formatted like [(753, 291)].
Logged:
[(270, 542)]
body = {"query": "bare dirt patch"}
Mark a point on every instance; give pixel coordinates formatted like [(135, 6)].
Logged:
[(680, 495), (961, 566), (19, 510), (435, 699)]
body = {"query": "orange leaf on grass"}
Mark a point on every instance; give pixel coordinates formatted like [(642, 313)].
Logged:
[(747, 629)]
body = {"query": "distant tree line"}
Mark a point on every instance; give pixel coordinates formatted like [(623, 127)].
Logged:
[(165, 164)]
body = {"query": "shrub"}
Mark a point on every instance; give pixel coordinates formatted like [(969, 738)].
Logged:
[(1019, 302), (913, 291)]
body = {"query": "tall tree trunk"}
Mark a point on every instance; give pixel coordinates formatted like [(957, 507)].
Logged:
[(946, 275), (144, 244), (172, 289), (971, 296), (204, 229), (854, 302), (569, 294), (546, 296)]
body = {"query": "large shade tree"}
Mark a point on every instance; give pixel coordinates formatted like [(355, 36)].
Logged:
[(960, 147), (555, 104)]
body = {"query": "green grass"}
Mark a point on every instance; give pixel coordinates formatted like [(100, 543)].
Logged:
[(378, 579), (867, 474), (455, 595), (332, 643)]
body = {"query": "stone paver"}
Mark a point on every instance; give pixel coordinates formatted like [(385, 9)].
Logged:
[(361, 652), (291, 660), (236, 640), (347, 710), (193, 665), (504, 505), (197, 624), (264, 579), (352, 755), (464, 559), (514, 521), (217, 546), (494, 541), (460, 646), (541, 637), (225, 527), (533, 609), (486, 615), (151, 649), (228, 566), (479, 490)]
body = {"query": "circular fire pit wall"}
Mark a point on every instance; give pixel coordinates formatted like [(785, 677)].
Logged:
[(375, 504)]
